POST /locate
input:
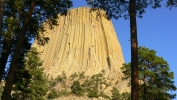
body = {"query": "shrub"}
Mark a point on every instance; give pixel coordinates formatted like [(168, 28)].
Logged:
[(59, 79), (77, 89), (53, 94), (102, 94), (125, 96), (115, 94), (74, 76), (52, 84), (81, 75), (93, 93), (63, 93)]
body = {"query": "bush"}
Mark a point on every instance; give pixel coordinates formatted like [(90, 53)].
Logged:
[(115, 94), (77, 89), (61, 78), (53, 94), (74, 76), (52, 83), (102, 94), (93, 93), (81, 75), (63, 93), (125, 96)]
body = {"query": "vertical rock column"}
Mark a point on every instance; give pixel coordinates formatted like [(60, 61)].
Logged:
[(84, 40)]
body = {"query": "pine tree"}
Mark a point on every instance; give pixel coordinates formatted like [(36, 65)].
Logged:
[(25, 18), (128, 9), (155, 77), (30, 81)]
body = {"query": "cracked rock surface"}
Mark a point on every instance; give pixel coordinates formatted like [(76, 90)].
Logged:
[(83, 41)]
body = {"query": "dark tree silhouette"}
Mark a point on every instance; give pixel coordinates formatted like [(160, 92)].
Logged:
[(155, 77), (28, 16), (128, 9)]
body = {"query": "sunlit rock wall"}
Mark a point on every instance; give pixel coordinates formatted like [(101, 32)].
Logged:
[(84, 40)]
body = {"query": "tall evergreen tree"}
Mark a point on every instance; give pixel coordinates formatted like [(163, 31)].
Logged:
[(28, 16), (30, 81), (155, 77), (128, 9)]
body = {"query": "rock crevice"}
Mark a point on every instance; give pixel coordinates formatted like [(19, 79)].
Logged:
[(84, 40)]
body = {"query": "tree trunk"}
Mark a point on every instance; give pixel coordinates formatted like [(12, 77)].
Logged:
[(134, 52), (1, 15), (15, 58)]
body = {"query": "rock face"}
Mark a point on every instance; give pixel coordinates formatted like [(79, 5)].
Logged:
[(84, 40)]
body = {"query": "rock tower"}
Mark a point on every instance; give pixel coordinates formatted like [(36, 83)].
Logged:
[(83, 41)]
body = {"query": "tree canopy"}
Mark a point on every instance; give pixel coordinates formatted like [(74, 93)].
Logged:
[(22, 21), (30, 80), (155, 78), (171, 3), (128, 9), (120, 8)]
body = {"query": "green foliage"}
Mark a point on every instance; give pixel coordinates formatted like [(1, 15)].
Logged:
[(93, 93), (81, 75), (127, 72), (115, 94), (64, 93), (74, 75), (125, 96), (61, 78), (53, 94), (102, 94), (15, 13), (22, 21), (77, 89), (89, 86), (30, 82), (119, 8), (52, 83), (94, 82), (156, 79)]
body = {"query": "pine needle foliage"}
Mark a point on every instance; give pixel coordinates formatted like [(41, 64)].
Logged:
[(24, 19), (155, 78), (30, 81)]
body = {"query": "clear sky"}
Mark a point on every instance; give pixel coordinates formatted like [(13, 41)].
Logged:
[(157, 30)]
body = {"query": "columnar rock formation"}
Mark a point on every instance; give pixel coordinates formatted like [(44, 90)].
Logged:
[(84, 40)]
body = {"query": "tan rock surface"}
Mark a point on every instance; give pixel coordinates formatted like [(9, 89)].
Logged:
[(83, 41), (79, 98)]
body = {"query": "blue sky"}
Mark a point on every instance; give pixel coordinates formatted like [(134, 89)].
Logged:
[(157, 30)]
